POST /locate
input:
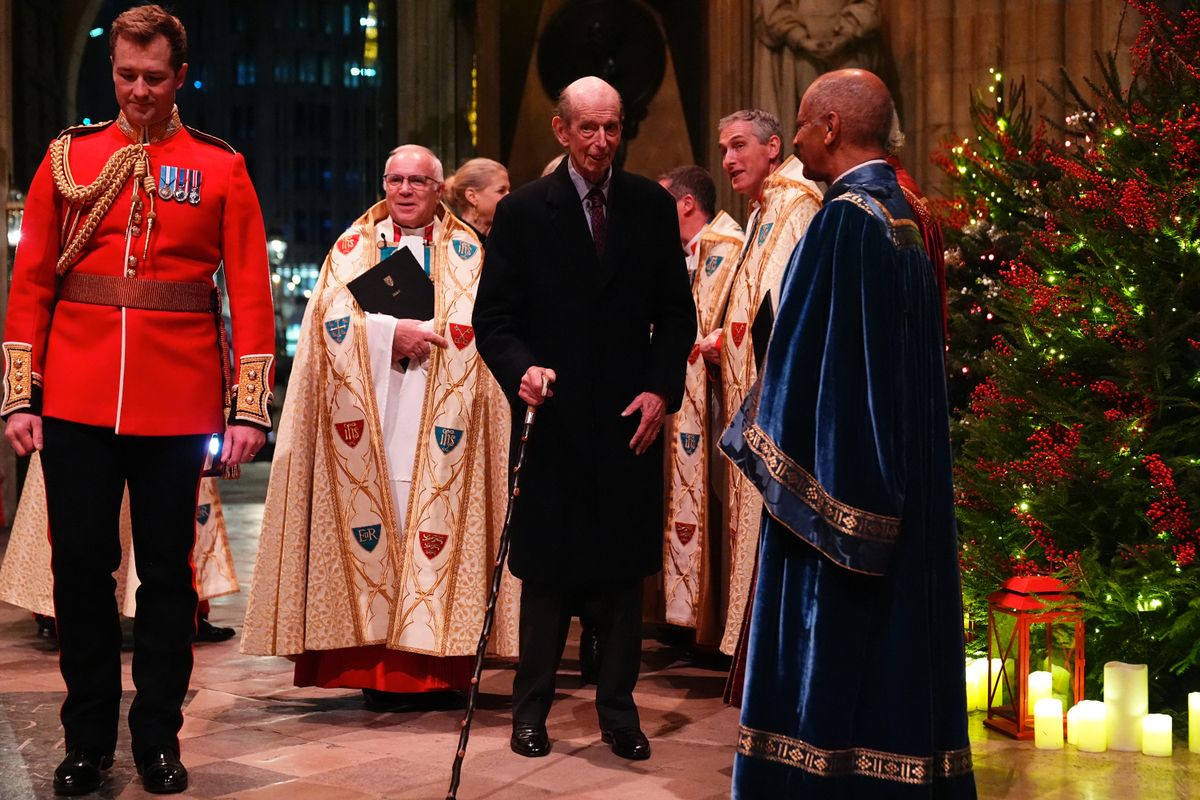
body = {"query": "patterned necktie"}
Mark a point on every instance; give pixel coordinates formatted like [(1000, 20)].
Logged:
[(595, 201)]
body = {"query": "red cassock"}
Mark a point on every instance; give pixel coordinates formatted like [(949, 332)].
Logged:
[(135, 370)]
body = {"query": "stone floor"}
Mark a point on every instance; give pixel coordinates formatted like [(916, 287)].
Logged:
[(250, 734)]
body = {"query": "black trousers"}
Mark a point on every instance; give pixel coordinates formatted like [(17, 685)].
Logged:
[(86, 470), (615, 610)]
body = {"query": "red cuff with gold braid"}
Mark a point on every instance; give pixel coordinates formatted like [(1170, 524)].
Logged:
[(252, 392)]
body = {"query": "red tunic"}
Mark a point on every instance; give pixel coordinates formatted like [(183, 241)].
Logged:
[(137, 371)]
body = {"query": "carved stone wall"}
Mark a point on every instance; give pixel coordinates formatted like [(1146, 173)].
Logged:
[(941, 49)]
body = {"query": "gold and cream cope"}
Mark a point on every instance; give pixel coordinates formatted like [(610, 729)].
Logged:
[(687, 585), (789, 203)]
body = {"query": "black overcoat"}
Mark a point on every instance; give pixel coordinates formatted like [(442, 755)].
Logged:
[(590, 511)]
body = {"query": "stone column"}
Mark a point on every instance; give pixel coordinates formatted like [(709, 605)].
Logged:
[(730, 39), (434, 47)]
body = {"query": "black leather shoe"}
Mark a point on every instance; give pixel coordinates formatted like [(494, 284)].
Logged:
[(628, 743), (162, 772), (530, 741), (207, 632), (589, 654), (80, 772)]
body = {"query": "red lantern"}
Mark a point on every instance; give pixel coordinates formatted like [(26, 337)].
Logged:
[(1034, 625)]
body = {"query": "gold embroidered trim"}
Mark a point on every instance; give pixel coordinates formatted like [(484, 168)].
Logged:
[(252, 394), (156, 133), (861, 761), (896, 227), (18, 377), (847, 519)]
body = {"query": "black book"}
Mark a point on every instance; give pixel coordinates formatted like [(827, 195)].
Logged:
[(760, 331), (396, 286)]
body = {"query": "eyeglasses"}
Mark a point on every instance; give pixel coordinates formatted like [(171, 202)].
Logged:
[(417, 182)]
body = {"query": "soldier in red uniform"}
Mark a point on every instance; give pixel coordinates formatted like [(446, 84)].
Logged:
[(113, 359)]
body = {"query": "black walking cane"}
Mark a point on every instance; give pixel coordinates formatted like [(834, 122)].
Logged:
[(490, 615)]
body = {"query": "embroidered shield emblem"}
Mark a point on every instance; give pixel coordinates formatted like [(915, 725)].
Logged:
[(351, 431), (692, 356), (447, 438), (464, 249), (738, 329), (337, 328), (389, 280), (684, 531), (461, 335), (432, 543), (712, 264), (347, 243), (203, 512), (367, 536), (690, 442), (763, 231)]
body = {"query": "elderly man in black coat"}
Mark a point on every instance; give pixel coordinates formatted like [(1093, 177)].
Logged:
[(585, 291)]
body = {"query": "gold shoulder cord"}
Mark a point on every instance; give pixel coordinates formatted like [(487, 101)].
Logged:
[(100, 193)]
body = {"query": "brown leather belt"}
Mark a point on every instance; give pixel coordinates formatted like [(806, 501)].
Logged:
[(142, 293)]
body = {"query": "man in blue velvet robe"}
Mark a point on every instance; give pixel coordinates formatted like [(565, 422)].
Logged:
[(855, 681)]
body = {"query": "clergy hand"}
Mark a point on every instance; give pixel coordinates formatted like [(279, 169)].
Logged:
[(242, 443), (531, 385), (710, 347), (412, 339), (24, 433), (652, 407)]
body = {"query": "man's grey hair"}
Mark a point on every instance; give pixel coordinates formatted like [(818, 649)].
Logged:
[(763, 123), (438, 173)]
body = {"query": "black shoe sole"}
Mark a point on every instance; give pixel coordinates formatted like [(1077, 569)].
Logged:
[(62, 791), (161, 790)]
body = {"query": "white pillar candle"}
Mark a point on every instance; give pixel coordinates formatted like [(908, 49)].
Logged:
[(1194, 722), (1073, 725), (1048, 724), (1041, 686), (980, 684), (1127, 700), (1156, 735), (972, 677), (1091, 726)]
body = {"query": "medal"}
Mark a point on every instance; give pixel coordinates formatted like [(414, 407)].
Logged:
[(166, 182), (181, 189), (194, 191)]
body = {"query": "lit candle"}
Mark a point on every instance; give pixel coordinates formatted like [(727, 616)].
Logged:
[(1127, 700), (1048, 724), (1091, 726), (1073, 725), (1041, 686), (972, 694), (1194, 722), (1156, 735), (980, 684)]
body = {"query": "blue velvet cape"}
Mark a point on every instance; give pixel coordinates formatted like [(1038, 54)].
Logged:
[(854, 681)]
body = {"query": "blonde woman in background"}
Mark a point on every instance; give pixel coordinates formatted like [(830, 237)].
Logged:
[(473, 192)]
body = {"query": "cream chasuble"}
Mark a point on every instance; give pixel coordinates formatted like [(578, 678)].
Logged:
[(691, 582), (789, 203), (25, 578), (388, 487)]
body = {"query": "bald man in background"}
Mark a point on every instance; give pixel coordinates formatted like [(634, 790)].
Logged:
[(848, 442)]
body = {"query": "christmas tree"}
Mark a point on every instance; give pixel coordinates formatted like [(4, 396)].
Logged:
[(1074, 276)]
